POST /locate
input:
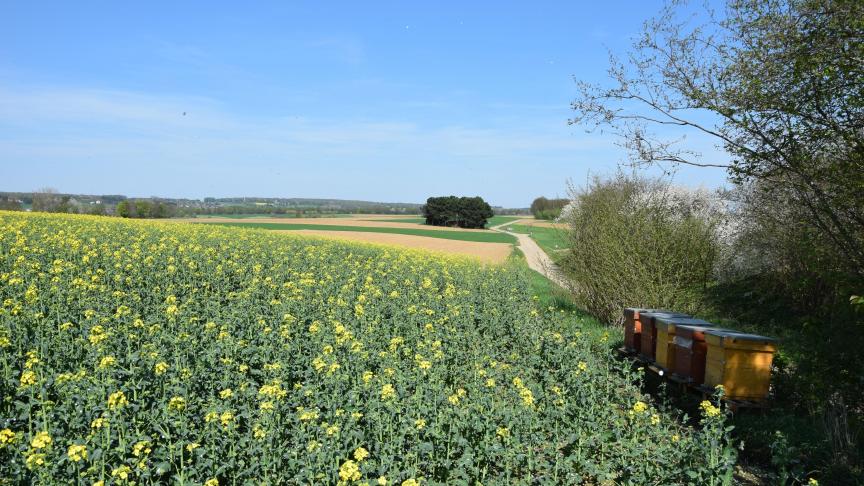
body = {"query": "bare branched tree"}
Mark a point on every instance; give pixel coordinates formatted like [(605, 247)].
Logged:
[(778, 84)]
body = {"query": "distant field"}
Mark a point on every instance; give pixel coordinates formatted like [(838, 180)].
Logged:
[(253, 216), (493, 221), (481, 236), (551, 240)]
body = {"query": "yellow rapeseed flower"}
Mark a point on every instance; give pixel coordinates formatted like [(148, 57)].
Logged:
[(141, 448), (226, 418), (77, 452), (41, 440), (117, 400), (161, 368), (387, 392), (7, 437), (121, 472), (211, 482), (177, 404), (107, 362), (709, 409), (34, 460), (28, 378), (360, 454), (226, 393), (640, 407), (349, 471)]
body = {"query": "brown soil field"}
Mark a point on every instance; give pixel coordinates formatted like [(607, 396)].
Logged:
[(488, 252), (380, 222)]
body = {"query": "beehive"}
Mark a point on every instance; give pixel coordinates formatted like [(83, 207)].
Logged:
[(649, 332), (740, 362), (665, 348), (633, 328), (690, 351)]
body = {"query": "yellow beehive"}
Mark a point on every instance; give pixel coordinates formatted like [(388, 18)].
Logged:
[(740, 362), (665, 352)]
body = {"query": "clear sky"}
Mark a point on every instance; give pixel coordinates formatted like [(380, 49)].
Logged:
[(384, 101)]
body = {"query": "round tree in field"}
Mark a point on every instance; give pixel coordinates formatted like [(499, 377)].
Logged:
[(460, 212)]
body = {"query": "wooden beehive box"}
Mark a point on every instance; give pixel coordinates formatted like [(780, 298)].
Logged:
[(648, 336), (666, 327), (690, 352), (633, 328), (740, 362)]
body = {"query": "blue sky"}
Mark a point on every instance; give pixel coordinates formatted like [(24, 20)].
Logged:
[(356, 100)]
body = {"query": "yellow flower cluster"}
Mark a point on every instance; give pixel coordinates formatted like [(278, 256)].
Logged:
[(77, 452), (709, 409)]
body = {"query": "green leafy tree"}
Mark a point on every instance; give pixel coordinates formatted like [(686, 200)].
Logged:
[(143, 208), (543, 208), (463, 212), (122, 209)]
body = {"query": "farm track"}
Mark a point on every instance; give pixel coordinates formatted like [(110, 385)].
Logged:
[(537, 259)]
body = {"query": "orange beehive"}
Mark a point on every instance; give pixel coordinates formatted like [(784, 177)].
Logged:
[(740, 362), (633, 328), (690, 351), (649, 332), (666, 326)]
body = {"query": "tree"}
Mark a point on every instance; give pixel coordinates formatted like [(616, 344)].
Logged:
[(778, 84), (543, 208), (474, 212), (98, 209), (8, 204), (143, 208), (463, 212), (46, 199), (122, 209)]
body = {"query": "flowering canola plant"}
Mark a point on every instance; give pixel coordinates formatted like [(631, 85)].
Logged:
[(151, 352)]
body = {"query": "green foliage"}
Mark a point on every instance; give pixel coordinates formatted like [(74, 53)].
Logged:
[(156, 352), (482, 236), (144, 209), (463, 212), (636, 242), (122, 209), (543, 208)]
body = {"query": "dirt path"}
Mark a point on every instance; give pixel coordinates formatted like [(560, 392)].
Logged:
[(537, 259)]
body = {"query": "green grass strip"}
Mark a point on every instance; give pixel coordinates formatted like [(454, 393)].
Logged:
[(551, 240), (493, 221)]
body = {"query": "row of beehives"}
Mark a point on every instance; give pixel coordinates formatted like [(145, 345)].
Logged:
[(700, 353)]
